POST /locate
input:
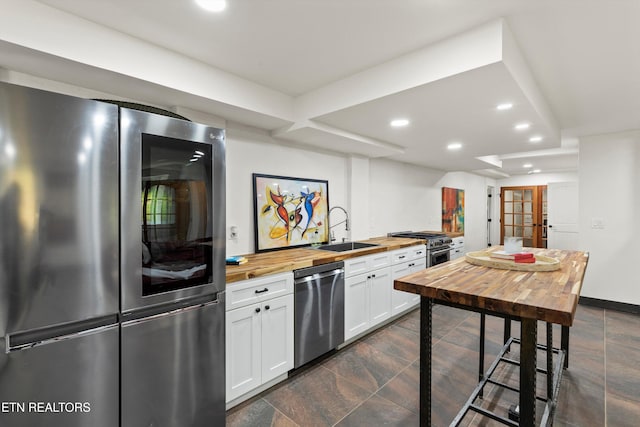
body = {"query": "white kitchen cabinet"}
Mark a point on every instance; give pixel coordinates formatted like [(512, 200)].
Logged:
[(367, 298), (366, 264), (457, 248), (399, 299), (243, 350), (406, 261), (277, 337), (356, 302), (259, 335), (380, 287)]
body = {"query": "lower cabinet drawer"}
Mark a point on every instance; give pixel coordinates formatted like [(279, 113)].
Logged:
[(247, 292)]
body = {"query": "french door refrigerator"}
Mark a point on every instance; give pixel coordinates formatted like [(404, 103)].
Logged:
[(111, 265), (173, 271), (59, 297)]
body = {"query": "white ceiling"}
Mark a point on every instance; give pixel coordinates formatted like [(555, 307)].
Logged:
[(332, 73)]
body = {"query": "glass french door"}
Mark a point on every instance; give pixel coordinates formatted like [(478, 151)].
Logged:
[(523, 214)]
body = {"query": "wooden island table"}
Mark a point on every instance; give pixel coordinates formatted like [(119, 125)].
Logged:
[(527, 297)]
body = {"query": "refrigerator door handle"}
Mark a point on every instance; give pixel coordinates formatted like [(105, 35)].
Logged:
[(155, 312), (42, 336)]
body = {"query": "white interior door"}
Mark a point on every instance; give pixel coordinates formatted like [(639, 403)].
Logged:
[(562, 210)]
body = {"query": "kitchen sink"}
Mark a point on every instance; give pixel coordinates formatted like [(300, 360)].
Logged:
[(346, 246)]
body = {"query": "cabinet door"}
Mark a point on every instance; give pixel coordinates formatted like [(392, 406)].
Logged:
[(356, 310), (277, 337), (415, 266), (400, 299), (243, 350), (380, 286)]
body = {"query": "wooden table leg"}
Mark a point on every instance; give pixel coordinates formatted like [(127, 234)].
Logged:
[(528, 344), (425, 361)]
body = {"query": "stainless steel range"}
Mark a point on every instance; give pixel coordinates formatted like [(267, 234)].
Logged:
[(438, 245)]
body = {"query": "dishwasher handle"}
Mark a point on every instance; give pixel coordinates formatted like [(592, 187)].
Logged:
[(319, 276), (323, 270)]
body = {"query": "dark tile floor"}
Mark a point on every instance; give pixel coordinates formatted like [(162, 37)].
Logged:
[(374, 381)]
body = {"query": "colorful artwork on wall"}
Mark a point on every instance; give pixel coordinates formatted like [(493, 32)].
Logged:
[(289, 212), (452, 210)]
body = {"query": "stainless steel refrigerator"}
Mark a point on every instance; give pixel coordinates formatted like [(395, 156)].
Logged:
[(172, 215), (59, 297), (111, 265)]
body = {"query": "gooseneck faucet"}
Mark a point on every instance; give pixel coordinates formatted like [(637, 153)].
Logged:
[(346, 222)]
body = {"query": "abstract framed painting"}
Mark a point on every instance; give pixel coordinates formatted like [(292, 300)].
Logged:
[(452, 210), (289, 212)]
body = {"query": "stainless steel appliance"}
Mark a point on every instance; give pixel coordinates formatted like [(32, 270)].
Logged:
[(172, 208), (438, 245), (59, 297), (319, 311), (111, 270)]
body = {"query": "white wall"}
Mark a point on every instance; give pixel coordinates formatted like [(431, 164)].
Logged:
[(407, 197), (403, 197), (610, 190), (358, 196), (251, 151)]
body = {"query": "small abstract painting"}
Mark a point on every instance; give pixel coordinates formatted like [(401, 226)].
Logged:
[(452, 210), (289, 212)]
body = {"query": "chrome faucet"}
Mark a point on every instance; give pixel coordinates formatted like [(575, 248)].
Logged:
[(346, 222)]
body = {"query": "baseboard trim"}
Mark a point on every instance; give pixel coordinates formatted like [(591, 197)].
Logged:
[(610, 305)]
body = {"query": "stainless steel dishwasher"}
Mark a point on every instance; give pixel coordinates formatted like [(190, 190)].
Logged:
[(319, 311)]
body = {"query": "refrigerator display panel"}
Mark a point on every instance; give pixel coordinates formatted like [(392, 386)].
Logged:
[(176, 214)]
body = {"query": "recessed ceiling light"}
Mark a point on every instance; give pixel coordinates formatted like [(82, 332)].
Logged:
[(398, 123), (505, 106), (535, 139), (536, 171), (212, 5), (521, 126), (454, 146), (527, 165)]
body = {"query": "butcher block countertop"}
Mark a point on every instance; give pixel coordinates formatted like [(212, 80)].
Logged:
[(550, 296), (266, 263)]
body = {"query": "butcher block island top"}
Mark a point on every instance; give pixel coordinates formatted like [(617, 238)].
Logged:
[(551, 296), (265, 263)]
